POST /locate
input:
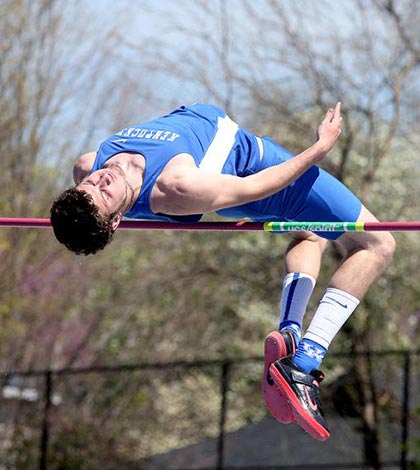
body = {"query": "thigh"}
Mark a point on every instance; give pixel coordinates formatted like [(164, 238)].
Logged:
[(328, 200), (351, 241)]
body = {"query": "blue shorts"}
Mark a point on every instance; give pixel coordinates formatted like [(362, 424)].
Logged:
[(328, 200), (314, 197)]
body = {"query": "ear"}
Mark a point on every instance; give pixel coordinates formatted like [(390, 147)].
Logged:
[(116, 221)]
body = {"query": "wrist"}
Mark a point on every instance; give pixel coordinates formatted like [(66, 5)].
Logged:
[(320, 150)]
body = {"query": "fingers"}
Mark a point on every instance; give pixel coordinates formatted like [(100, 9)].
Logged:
[(337, 116), (329, 115), (334, 114), (337, 108)]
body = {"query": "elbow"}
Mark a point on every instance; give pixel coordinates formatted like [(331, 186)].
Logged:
[(173, 186), (175, 195)]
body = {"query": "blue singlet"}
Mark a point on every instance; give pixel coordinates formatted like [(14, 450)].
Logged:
[(219, 145)]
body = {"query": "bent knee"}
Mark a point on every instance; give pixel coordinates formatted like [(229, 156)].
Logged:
[(379, 244), (383, 242), (308, 236), (304, 237), (385, 245)]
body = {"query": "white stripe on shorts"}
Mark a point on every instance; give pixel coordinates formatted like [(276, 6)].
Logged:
[(218, 151)]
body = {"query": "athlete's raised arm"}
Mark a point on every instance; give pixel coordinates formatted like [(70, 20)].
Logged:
[(186, 189)]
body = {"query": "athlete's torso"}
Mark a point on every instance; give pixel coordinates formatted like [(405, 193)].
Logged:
[(206, 133)]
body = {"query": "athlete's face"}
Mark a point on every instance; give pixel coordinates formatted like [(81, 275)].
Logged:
[(107, 188)]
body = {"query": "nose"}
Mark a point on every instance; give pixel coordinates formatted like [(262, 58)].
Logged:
[(106, 179)]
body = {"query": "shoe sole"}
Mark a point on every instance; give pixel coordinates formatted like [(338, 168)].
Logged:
[(276, 402), (305, 421)]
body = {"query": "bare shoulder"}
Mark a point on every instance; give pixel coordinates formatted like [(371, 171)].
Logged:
[(178, 163), (178, 167), (82, 166), (171, 183)]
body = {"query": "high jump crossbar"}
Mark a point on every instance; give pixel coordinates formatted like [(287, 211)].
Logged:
[(238, 226)]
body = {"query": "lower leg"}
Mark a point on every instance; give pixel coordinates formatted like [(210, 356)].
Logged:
[(304, 254), (367, 257), (302, 263), (368, 254)]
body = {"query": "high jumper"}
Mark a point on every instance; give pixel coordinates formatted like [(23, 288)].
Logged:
[(196, 160)]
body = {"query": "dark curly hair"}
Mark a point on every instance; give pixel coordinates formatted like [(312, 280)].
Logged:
[(77, 223)]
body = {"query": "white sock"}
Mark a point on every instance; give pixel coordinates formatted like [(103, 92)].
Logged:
[(334, 309), (297, 289)]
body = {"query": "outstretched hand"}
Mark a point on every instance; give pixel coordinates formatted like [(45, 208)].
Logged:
[(329, 130)]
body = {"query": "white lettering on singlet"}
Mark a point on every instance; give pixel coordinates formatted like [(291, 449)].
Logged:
[(218, 151), (139, 133)]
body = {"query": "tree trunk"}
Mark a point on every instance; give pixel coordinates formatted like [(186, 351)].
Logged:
[(368, 404)]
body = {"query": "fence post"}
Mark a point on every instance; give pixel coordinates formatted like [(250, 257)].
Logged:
[(43, 448), (224, 386), (405, 411)]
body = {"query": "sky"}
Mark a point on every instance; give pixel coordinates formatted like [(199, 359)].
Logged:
[(142, 26)]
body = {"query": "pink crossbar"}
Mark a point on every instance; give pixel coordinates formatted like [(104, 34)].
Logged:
[(144, 225), (205, 226)]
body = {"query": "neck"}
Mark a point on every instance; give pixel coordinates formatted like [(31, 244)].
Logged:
[(131, 196), (132, 166)]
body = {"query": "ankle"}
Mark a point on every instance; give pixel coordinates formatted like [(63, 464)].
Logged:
[(293, 328), (309, 355)]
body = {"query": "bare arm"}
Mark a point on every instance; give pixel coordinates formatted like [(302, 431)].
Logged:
[(83, 166), (187, 189)]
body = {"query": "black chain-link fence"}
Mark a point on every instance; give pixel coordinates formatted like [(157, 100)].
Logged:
[(196, 415)]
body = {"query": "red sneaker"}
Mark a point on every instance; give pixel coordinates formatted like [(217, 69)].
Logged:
[(302, 391), (276, 346)]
